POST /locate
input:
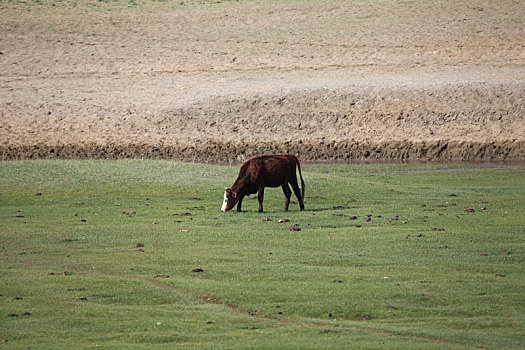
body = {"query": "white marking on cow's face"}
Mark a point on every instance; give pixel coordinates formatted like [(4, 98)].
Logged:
[(230, 199), (225, 202)]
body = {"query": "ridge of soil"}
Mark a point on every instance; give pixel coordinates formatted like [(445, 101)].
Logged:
[(218, 152)]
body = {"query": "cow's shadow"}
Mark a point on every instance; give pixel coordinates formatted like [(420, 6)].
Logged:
[(307, 210)]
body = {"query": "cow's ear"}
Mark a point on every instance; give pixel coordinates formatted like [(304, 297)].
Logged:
[(234, 194)]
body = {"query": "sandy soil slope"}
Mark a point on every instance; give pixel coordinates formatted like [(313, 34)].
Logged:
[(222, 81)]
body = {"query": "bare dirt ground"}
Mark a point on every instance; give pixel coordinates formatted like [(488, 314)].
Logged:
[(223, 81)]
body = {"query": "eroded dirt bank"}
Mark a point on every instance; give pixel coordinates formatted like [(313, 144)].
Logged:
[(216, 152)]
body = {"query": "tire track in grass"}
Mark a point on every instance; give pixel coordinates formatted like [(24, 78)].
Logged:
[(238, 309)]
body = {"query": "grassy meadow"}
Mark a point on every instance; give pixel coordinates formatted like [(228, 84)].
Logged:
[(137, 254)]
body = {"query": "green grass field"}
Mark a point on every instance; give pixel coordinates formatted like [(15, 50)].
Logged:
[(439, 264)]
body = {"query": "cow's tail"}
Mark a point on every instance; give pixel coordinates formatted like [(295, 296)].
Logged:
[(302, 181)]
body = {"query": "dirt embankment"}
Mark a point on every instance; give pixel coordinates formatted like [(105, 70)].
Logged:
[(215, 82)]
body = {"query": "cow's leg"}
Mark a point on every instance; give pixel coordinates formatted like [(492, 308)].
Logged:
[(287, 195), (239, 204), (260, 196), (295, 186)]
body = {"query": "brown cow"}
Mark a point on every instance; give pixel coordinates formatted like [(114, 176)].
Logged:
[(265, 171)]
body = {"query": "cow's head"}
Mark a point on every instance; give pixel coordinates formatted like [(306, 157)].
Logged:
[(230, 199)]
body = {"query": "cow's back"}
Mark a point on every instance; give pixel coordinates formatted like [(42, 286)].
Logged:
[(269, 170)]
